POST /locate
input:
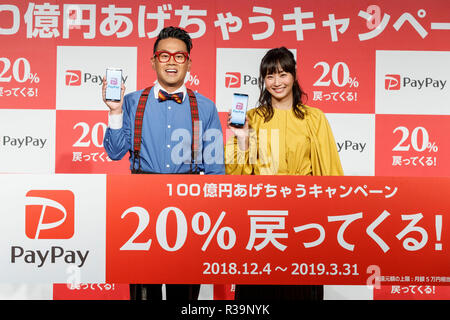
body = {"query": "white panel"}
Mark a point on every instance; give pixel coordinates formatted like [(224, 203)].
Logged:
[(347, 293), (26, 291), (31, 264), (206, 292), (27, 141), (80, 71), (412, 82), (355, 140)]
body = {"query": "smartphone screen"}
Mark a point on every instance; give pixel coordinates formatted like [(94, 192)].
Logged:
[(113, 84), (239, 109)]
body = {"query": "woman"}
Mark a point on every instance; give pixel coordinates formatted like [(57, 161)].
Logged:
[(282, 136)]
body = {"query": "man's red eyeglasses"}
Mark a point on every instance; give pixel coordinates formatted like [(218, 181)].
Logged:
[(179, 57)]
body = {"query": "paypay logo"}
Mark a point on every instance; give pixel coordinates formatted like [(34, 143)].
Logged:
[(73, 78), (232, 80), (392, 82), (49, 214), (396, 82), (77, 78), (236, 80)]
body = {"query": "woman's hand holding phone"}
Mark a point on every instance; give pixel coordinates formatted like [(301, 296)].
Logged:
[(241, 133)]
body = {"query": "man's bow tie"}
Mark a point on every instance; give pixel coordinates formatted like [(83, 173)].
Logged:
[(177, 97)]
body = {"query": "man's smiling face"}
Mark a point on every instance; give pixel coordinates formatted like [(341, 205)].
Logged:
[(171, 74)]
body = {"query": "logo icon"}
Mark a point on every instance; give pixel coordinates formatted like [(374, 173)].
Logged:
[(232, 80), (49, 214), (239, 106), (392, 82), (73, 78), (113, 81)]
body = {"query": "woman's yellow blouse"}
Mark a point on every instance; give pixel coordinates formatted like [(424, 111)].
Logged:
[(286, 145)]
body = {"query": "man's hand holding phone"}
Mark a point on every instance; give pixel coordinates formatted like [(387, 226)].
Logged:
[(113, 90)]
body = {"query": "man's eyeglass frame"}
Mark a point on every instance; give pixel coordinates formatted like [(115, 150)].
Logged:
[(185, 55)]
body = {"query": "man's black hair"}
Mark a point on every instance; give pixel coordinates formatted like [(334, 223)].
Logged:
[(174, 32)]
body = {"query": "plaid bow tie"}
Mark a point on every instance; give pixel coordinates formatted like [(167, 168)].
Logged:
[(177, 97)]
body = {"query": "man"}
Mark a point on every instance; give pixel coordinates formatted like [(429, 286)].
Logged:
[(167, 129)]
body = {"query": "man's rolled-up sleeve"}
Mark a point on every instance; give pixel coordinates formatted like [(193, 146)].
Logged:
[(117, 141)]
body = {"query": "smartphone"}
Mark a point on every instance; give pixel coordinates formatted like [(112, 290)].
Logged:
[(113, 84), (239, 110)]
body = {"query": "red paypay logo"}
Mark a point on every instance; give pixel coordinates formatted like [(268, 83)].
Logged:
[(49, 214), (73, 78), (392, 82), (232, 80)]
